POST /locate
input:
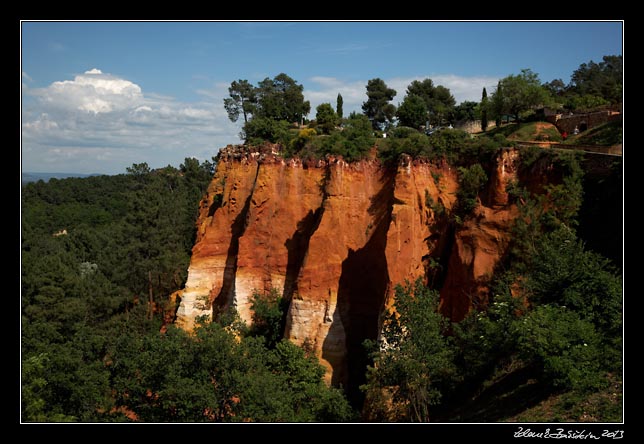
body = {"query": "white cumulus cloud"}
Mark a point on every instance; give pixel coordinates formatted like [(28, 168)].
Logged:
[(93, 92), (99, 122)]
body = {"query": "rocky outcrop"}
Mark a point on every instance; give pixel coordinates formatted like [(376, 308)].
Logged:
[(251, 226), (480, 242), (335, 238)]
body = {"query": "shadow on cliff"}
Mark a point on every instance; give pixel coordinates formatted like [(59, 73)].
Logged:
[(298, 244), (601, 215), (362, 290), (224, 298)]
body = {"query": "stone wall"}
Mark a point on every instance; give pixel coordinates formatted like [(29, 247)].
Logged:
[(583, 122), (473, 126)]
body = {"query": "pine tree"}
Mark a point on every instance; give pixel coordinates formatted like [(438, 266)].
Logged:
[(338, 106), (484, 110)]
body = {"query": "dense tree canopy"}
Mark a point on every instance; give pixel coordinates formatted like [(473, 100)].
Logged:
[(377, 107), (353, 142), (438, 100), (466, 110), (265, 106), (518, 93), (281, 98), (593, 85), (326, 118), (603, 79), (556, 87), (123, 245), (412, 112)]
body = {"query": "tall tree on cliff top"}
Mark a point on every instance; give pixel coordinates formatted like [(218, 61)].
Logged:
[(281, 98), (484, 105), (339, 102), (377, 107), (438, 99), (326, 118), (242, 100), (412, 112), (518, 93)]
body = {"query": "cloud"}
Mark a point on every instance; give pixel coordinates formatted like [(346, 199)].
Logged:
[(57, 47), (466, 88), (326, 90), (100, 122), (24, 79), (93, 92)]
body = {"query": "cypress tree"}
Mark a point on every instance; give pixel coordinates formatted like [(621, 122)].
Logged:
[(484, 110)]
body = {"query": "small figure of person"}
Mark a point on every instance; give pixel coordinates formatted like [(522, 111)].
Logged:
[(564, 135), (576, 130)]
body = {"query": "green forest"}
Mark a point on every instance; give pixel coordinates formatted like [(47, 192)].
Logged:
[(102, 255)]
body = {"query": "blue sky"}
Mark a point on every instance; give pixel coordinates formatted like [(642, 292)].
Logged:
[(99, 96)]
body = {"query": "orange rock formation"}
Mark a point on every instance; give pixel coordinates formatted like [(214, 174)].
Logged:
[(334, 238)]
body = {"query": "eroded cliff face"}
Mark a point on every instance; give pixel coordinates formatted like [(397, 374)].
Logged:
[(480, 243), (252, 229), (335, 238)]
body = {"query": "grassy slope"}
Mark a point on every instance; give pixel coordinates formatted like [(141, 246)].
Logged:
[(514, 394), (601, 406), (528, 131), (607, 134)]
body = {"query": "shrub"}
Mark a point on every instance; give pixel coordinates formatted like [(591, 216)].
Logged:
[(402, 132), (268, 316), (566, 347), (471, 181), (261, 129), (298, 143)]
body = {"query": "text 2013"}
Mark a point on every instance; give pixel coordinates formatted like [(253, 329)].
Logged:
[(567, 434), (613, 434)]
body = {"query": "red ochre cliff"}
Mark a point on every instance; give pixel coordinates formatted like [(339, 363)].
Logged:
[(335, 238)]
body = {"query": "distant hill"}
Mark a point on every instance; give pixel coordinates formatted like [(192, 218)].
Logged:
[(35, 177)]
